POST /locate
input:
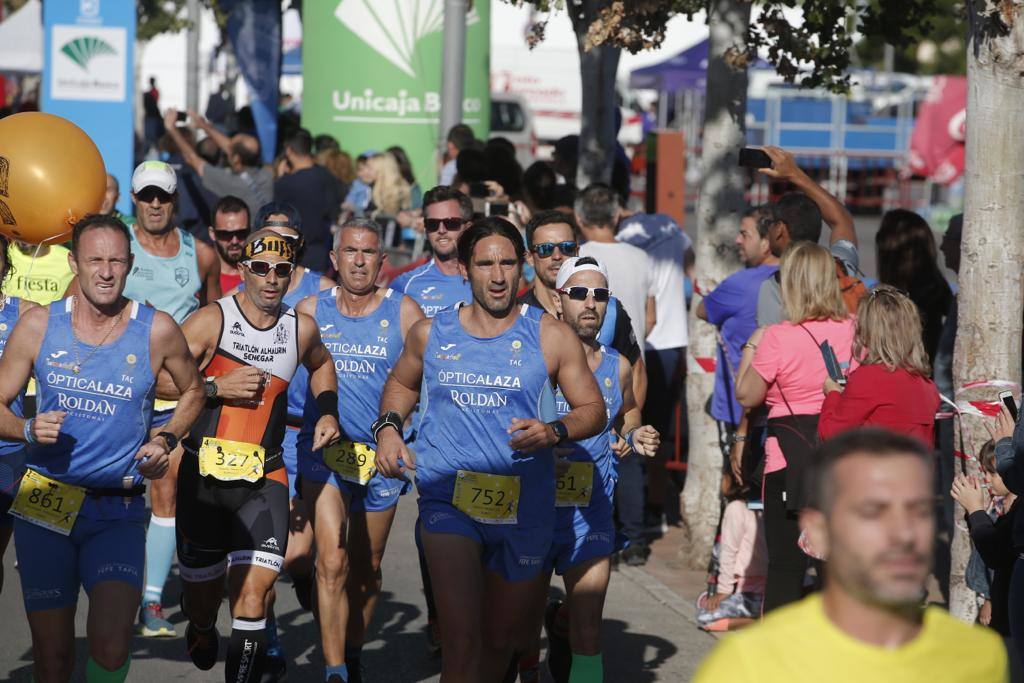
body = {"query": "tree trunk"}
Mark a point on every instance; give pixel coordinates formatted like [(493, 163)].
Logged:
[(988, 340), (598, 65), (718, 218)]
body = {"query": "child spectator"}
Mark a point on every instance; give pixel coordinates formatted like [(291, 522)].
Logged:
[(742, 563), (359, 193)]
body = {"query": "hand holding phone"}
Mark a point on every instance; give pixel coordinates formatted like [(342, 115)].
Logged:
[(835, 372), (751, 157), (1007, 398)]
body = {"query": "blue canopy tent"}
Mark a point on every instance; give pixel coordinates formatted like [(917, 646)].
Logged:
[(685, 71)]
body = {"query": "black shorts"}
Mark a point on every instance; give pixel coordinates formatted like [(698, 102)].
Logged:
[(220, 524)]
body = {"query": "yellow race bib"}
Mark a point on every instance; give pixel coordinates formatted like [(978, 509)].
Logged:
[(47, 502), (574, 486), (162, 406), (487, 498), (231, 460), (355, 462)]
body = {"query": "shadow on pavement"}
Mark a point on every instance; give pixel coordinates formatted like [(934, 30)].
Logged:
[(636, 657)]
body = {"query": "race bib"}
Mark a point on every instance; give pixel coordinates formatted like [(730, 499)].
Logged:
[(574, 486), (47, 502), (162, 406), (231, 460), (355, 462), (487, 498)]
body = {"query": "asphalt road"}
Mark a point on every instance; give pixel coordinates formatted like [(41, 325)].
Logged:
[(648, 631)]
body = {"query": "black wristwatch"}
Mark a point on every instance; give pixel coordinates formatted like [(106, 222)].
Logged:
[(561, 431), (211, 387), (171, 439), (388, 419)]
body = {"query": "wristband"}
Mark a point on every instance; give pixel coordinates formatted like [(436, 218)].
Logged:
[(629, 438), (327, 403), (27, 431)]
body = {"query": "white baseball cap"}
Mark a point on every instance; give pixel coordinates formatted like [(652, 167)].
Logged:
[(154, 174), (572, 265)]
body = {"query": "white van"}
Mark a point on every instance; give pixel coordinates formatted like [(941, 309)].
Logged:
[(512, 119)]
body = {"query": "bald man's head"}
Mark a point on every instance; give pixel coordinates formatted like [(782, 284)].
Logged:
[(246, 149)]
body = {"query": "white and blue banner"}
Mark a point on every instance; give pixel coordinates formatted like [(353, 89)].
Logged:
[(88, 77)]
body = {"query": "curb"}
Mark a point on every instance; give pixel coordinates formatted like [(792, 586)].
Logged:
[(662, 593)]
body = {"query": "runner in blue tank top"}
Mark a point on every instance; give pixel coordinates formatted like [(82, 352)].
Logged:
[(285, 220), (12, 453), (79, 507), (176, 274), (483, 459), (364, 328), (437, 284), (585, 527)]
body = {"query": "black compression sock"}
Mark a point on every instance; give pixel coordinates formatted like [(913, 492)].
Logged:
[(247, 651)]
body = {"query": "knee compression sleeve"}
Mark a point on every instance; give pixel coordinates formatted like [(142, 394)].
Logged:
[(160, 544), (586, 669), (247, 651), (94, 673)]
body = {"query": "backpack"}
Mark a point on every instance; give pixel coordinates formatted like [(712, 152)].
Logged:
[(851, 287)]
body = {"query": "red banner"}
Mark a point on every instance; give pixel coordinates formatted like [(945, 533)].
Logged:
[(937, 145)]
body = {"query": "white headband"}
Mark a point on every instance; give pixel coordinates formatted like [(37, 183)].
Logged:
[(570, 268)]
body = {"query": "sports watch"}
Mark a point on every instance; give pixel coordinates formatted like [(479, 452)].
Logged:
[(560, 430), (210, 386), (171, 439), (388, 419)]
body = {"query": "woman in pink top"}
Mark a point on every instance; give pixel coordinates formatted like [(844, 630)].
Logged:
[(783, 367)]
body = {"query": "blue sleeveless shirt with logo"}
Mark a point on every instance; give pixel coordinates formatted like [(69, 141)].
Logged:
[(8, 319), (168, 283), (472, 389)]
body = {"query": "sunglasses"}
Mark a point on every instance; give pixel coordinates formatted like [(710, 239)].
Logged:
[(147, 194), (434, 224), (600, 294), (546, 249), (229, 235), (282, 269)]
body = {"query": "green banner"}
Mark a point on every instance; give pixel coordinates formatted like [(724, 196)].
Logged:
[(372, 75)]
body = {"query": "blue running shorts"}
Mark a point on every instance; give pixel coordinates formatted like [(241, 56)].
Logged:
[(379, 494), (107, 543), (584, 538)]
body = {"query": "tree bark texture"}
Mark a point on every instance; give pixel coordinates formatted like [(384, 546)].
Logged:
[(720, 207), (597, 109), (988, 341)]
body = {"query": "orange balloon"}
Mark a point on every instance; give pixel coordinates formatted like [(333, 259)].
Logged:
[(51, 176)]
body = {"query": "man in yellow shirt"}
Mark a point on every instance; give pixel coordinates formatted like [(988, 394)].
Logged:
[(874, 522), (38, 273)]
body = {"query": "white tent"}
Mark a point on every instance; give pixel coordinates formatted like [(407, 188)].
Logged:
[(21, 39)]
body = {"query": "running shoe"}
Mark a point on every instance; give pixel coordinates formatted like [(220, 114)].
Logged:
[(202, 646), (559, 652), (274, 669), (152, 623), (635, 555)]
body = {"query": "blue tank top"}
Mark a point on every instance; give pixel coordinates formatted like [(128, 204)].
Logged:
[(598, 449), (169, 284), (364, 350), (308, 286), (472, 388), (109, 403), (8, 319), (433, 290)]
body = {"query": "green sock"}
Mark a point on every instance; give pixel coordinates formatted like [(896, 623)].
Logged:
[(94, 673), (586, 669)]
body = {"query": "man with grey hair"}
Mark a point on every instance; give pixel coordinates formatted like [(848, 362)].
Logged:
[(872, 519), (364, 328), (629, 278)]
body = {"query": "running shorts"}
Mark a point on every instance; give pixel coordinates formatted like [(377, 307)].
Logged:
[(516, 553), (107, 543), (221, 523), (581, 538), (291, 463), (379, 494)]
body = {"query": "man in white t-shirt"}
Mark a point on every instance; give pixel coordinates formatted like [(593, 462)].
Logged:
[(630, 277)]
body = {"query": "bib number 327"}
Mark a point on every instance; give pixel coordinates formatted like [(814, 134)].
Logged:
[(47, 502), (487, 498), (231, 460)]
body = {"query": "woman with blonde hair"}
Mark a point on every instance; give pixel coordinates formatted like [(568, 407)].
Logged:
[(783, 367), (891, 388), (391, 192)]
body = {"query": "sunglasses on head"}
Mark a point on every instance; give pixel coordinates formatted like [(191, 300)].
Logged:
[(546, 249), (600, 294), (147, 194), (282, 269), (229, 235), (434, 224)]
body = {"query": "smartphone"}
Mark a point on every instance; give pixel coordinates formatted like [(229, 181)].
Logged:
[(478, 190), (751, 157), (832, 364), (1007, 398), (496, 209)]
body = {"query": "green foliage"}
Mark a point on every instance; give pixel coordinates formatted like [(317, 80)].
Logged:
[(814, 52), (159, 16), (942, 50)]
